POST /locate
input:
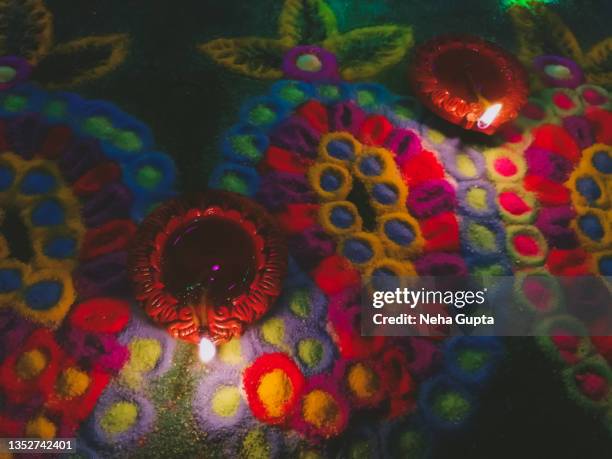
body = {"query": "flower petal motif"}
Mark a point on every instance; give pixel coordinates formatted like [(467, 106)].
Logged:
[(252, 56), (26, 29), (307, 21), (364, 52)]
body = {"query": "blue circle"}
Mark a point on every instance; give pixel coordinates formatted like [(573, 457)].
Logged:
[(7, 175), (357, 251), (384, 279), (371, 166), (341, 217), (48, 213), (591, 226), (10, 280), (330, 180), (43, 295), (605, 265), (61, 247), (588, 188), (38, 182), (384, 193), (399, 232), (341, 149), (603, 162)]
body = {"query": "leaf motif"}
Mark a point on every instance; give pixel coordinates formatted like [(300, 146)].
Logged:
[(252, 56), (363, 52), (82, 60), (306, 22), (541, 31), (26, 29), (600, 56)]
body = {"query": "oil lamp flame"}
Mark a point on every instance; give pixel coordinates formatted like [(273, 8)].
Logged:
[(207, 350), (489, 116)]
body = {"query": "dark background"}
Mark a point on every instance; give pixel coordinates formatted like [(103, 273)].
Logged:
[(188, 102)]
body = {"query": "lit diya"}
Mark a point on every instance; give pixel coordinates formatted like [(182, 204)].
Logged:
[(206, 265), (469, 81)]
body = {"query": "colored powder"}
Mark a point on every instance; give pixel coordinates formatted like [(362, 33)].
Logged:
[(490, 270), (563, 101), (261, 115), (310, 352), (300, 303), (232, 182), (273, 331), (436, 136), (362, 381), (292, 94), (31, 364), (226, 401), (505, 166), (365, 98), (329, 92), (99, 126), (55, 109), (477, 198), (119, 418), (560, 72), (403, 112), (482, 237), (245, 145), (255, 445), (144, 355), (533, 111), (148, 177), (275, 390), (73, 382), (309, 63), (465, 165), (310, 454), (40, 427), (452, 406), (230, 352), (410, 444), (526, 245), (15, 103), (538, 294), (592, 385), (127, 140), (593, 97), (513, 203), (7, 73), (320, 409), (472, 359)]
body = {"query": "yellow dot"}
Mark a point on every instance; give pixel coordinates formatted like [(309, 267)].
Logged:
[(436, 136), (119, 417), (40, 427), (230, 352), (273, 331), (144, 354), (320, 409), (477, 198), (73, 382), (226, 401), (274, 390), (465, 165), (31, 364), (362, 381)]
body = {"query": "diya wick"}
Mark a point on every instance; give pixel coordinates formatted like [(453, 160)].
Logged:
[(207, 265), (469, 81)]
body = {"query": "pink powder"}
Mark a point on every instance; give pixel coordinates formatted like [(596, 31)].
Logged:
[(592, 385), (513, 203), (505, 167), (526, 245), (532, 111), (593, 97), (537, 293), (563, 101)]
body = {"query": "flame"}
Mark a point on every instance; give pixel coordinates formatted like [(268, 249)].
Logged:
[(207, 350), (489, 116)]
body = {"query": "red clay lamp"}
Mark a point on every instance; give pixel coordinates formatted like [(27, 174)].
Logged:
[(207, 265), (469, 81)]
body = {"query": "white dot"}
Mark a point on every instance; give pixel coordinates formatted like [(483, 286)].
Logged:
[(207, 350)]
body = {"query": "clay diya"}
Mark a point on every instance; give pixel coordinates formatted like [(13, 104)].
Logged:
[(207, 265), (469, 81)]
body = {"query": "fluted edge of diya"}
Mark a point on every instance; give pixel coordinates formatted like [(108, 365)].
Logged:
[(221, 320), (464, 78)]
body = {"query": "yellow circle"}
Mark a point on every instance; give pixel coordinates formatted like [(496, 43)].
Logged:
[(226, 401), (320, 409), (362, 381), (41, 427), (31, 363), (274, 390), (73, 382)]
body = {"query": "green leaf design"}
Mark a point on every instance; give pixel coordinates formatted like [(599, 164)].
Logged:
[(252, 56), (364, 52), (306, 22), (81, 60), (26, 29)]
